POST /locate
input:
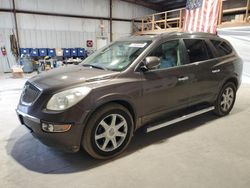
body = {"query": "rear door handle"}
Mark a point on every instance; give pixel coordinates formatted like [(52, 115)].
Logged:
[(184, 78), (216, 71)]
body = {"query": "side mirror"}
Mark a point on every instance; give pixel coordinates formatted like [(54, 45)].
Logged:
[(151, 62)]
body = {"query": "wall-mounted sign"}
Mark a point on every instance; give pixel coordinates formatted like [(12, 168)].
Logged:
[(89, 43)]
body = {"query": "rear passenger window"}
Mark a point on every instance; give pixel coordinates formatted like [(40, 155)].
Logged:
[(197, 50), (222, 47)]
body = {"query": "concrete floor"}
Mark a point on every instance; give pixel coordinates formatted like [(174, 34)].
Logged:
[(205, 151)]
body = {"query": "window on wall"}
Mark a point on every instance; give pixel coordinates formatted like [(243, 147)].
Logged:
[(169, 54), (197, 50), (221, 47)]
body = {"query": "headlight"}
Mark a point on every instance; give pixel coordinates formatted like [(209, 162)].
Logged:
[(65, 99)]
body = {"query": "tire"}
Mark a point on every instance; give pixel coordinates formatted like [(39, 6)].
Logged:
[(102, 138), (225, 100)]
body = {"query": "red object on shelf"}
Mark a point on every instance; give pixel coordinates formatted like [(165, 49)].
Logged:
[(3, 50)]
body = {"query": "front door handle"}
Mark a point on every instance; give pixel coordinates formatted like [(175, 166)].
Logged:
[(184, 78), (216, 71)]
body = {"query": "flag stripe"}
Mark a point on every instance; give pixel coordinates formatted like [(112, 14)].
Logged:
[(216, 16), (213, 17), (201, 16), (190, 25), (208, 10), (197, 11), (187, 20)]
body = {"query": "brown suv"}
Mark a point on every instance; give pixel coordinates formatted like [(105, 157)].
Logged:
[(139, 80)]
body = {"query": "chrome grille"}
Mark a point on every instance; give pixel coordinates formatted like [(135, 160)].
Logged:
[(30, 94)]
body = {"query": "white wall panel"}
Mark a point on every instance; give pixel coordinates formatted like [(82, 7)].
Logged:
[(55, 39), (121, 29), (6, 4), (6, 29), (28, 21), (79, 7), (6, 20), (123, 9), (51, 32)]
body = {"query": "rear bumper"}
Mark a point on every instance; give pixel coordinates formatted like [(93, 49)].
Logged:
[(69, 141)]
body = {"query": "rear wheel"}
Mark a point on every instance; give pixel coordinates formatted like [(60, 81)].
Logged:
[(225, 100), (108, 131)]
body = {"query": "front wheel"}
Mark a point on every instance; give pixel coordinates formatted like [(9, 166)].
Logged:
[(108, 132), (225, 100)]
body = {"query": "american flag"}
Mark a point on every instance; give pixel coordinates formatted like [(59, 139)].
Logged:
[(201, 16)]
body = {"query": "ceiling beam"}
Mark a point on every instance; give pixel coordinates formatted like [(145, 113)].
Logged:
[(160, 5), (171, 6), (64, 15), (145, 4)]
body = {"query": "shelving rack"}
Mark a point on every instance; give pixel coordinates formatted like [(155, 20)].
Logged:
[(172, 20), (240, 15)]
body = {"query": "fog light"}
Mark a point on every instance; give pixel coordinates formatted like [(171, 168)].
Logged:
[(48, 127)]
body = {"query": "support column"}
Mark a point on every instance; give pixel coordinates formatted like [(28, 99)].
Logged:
[(220, 12), (16, 28), (248, 3), (110, 20)]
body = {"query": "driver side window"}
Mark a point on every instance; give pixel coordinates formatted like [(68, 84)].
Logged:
[(169, 54)]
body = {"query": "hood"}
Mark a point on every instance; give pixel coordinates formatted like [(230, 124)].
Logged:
[(70, 75)]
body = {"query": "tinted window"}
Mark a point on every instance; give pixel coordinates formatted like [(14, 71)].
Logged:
[(222, 47), (169, 54), (197, 50)]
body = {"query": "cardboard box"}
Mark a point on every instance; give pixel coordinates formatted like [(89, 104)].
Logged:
[(17, 72), (239, 17)]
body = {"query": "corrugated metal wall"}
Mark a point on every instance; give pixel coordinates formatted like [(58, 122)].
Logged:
[(39, 31), (51, 31), (6, 28)]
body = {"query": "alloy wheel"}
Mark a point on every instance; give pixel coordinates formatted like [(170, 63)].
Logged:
[(111, 132), (227, 99)]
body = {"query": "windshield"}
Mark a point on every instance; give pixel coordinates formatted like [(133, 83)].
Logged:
[(117, 56)]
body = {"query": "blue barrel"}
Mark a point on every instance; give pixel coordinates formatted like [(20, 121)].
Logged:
[(51, 52), (81, 52), (73, 52), (43, 52), (34, 52), (24, 51), (66, 52)]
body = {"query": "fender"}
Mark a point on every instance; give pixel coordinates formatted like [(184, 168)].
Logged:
[(118, 98)]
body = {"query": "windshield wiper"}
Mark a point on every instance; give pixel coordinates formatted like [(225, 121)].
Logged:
[(94, 66)]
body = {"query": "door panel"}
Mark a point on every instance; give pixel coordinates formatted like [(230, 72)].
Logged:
[(165, 91), (167, 86), (201, 61), (206, 82)]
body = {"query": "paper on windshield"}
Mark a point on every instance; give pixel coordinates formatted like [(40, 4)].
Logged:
[(137, 45)]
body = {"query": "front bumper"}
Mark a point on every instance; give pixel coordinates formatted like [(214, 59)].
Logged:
[(69, 141)]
